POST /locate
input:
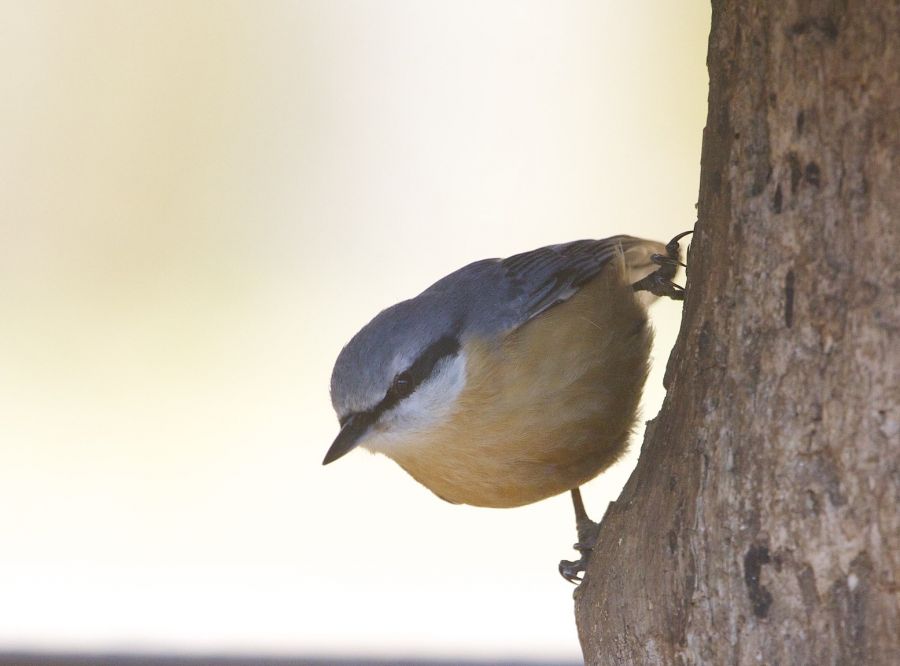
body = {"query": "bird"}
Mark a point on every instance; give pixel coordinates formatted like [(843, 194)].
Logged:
[(510, 380)]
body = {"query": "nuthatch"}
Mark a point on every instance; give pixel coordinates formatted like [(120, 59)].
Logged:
[(509, 380)]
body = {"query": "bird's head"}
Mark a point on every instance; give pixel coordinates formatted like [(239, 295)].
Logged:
[(397, 377)]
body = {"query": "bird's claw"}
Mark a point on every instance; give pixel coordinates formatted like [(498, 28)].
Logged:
[(659, 285), (661, 259), (588, 531), (570, 570), (659, 282)]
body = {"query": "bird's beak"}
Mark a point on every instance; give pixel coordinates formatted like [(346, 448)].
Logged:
[(348, 438)]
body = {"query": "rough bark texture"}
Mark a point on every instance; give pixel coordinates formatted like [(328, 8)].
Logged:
[(761, 524)]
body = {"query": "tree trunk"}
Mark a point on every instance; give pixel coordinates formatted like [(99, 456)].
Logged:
[(761, 524)]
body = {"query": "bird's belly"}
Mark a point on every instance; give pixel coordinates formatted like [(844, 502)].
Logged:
[(543, 412), (511, 466)]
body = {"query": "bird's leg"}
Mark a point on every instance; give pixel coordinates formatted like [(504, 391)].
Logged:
[(587, 537), (659, 282)]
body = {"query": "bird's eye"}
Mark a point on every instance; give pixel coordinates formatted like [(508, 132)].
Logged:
[(403, 385)]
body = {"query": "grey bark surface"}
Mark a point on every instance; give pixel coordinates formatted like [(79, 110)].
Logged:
[(761, 524)]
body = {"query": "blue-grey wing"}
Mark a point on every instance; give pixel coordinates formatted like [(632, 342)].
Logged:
[(539, 279), (495, 295)]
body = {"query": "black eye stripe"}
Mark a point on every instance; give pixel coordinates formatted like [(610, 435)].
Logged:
[(417, 373), (420, 370), (423, 366), (403, 385)]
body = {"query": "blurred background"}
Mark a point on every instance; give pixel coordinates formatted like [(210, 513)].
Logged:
[(200, 202)]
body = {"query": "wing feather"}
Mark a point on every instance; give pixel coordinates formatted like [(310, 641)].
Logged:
[(544, 277)]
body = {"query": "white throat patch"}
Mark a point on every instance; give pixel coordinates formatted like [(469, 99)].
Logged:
[(427, 407)]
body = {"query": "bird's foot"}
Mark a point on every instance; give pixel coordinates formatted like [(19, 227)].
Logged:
[(587, 537), (659, 282), (572, 571)]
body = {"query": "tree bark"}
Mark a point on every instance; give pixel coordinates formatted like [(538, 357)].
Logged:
[(761, 523)]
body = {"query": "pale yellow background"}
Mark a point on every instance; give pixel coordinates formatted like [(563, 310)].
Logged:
[(200, 202)]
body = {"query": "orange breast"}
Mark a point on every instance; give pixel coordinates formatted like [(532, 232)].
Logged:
[(544, 410)]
